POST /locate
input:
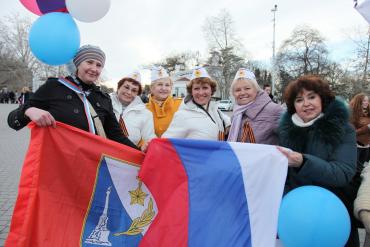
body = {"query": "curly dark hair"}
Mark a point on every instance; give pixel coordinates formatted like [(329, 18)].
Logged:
[(202, 80), (356, 109), (310, 83), (134, 82)]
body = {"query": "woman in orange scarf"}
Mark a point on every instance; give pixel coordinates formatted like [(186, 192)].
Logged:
[(161, 103)]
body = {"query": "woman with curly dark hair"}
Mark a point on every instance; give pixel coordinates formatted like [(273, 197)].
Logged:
[(323, 143), (360, 118)]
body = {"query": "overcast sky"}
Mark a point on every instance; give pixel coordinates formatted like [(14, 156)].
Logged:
[(138, 32)]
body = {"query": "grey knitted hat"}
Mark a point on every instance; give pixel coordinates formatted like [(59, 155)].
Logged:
[(89, 52)]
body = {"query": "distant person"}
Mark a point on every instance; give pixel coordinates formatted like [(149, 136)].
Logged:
[(255, 117), (267, 89), (135, 120), (17, 95), (198, 116), (67, 100), (2, 96), (144, 97), (161, 103), (12, 97), (316, 128), (25, 95), (6, 95)]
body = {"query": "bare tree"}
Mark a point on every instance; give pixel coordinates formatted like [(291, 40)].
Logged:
[(219, 31), (305, 52), (180, 61), (360, 62), (225, 48), (14, 30), (20, 66)]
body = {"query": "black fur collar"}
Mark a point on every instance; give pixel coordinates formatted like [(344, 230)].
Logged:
[(329, 129)]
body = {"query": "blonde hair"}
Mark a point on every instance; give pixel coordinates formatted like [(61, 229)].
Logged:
[(254, 83), (162, 80), (26, 89)]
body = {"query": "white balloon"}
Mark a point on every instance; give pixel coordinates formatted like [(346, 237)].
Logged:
[(88, 10)]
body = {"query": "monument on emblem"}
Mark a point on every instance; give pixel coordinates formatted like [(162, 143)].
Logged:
[(101, 233)]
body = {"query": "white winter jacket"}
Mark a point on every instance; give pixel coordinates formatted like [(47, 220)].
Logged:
[(138, 120), (192, 122)]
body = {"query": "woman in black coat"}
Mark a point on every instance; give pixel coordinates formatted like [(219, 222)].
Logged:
[(74, 100), (316, 127)]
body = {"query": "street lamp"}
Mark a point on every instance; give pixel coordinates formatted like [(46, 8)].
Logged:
[(273, 52)]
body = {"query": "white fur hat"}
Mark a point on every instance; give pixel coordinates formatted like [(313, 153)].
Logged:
[(199, 72), (158, 73)]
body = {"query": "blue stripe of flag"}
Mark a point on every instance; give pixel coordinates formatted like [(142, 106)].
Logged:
[(218, 205)]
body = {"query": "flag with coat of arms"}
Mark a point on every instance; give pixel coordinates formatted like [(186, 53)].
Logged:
[(79, 189)]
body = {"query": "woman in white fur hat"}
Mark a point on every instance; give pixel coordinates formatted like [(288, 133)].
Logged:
[(198, 116), (135, 120), (161, 103)]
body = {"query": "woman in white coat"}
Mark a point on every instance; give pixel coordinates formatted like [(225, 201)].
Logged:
[(198, 116), (135, 120)]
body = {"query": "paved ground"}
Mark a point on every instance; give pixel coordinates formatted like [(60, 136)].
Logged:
[(13, 146)]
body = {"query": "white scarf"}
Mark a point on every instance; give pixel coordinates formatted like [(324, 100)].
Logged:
[(300, 123)]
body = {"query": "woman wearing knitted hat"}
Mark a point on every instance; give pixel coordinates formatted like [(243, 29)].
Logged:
[(135, 120), (198, 116), (161, 103), (74, 100), (255, 117)]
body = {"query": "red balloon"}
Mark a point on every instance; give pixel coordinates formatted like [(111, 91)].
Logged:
[(40, 7)]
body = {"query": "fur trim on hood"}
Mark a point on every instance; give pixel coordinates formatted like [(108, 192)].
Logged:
[(329, 129)]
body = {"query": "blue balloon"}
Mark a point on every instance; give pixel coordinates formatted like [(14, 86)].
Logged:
[(311, 216), (54, 38)]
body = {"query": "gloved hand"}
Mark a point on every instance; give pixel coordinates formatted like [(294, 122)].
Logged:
[(365, 218)]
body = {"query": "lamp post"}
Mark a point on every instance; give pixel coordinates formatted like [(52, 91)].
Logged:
[(273, 51)]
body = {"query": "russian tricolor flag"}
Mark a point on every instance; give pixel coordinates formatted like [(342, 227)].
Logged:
[(213, 193)]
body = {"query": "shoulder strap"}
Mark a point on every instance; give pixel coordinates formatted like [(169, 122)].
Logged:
[(97, 122), (92, 117), (223, 122)]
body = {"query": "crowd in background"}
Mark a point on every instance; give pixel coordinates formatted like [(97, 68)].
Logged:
[(14, 97)]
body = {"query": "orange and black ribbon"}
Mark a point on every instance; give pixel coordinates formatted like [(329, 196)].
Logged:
[(221, 136), (123, 126), (247, 135)]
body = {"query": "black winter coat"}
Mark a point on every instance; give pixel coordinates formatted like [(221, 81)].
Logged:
[(66, 106), (328, 147)]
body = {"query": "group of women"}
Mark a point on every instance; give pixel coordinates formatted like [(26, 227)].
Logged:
[(314, 133)]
